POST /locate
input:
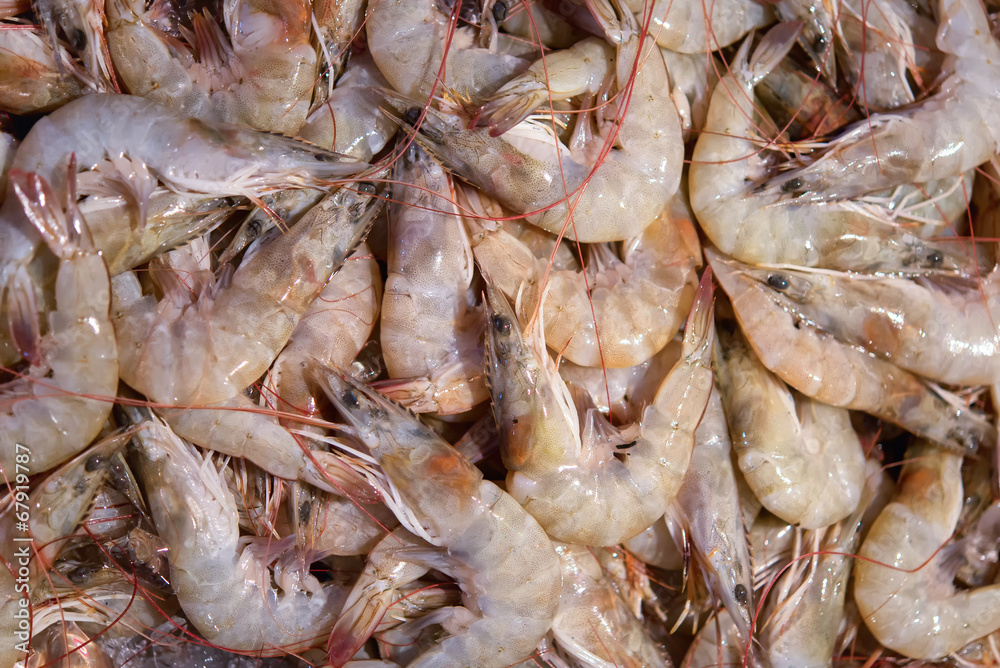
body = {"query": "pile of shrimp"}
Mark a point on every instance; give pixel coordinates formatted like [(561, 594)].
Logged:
[(505, 333)]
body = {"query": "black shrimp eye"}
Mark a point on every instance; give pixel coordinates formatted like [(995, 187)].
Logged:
[(501, 324), (935, 259), (93, 463), (792, 185), (350, 399), (412, 115), (740, 592), (819, 44), (79, 39), (778, 282), (367, 188), (499, 11)]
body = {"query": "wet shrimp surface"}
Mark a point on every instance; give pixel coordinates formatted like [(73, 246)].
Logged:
[(495, 333)]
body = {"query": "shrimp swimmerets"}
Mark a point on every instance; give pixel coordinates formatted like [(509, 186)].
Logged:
[(55, 508), (501, 557), (597, 485), (903, 590), (60, 403), (635, 303)]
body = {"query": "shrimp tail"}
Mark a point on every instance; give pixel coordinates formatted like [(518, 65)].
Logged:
[(699, 333), (772, 48)]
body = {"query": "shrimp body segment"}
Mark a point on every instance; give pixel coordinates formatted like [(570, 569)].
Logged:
[(205, 352), (595, 485), (502, 558), (902, 588), (800, 457), (61, 403)]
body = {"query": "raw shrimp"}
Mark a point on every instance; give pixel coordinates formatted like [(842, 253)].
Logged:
[(943, 328), (32, 81), (374, 591), (431, 335), (808, 617), (599, 485), (186, 154), (223, 584), (902, 589), (349, 121), (53, 511), (941, 136), (801, 458), (821, 367), (599, 194), (681, 25), (634, 306), (333, 330), (60, 403), (261, 76), (709, 502), (593, 624), (408, 40), (501, 557), (331, 524), (203, 349), (755, 225)]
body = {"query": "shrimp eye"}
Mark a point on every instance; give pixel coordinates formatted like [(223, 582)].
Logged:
[(367, 189), (79, 39), (499, 11), (93, 463), (412, 115), (777, 282), (350, 399), (819, 44), (501, 324), (792, 185), (740, 592), (935, 259)]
